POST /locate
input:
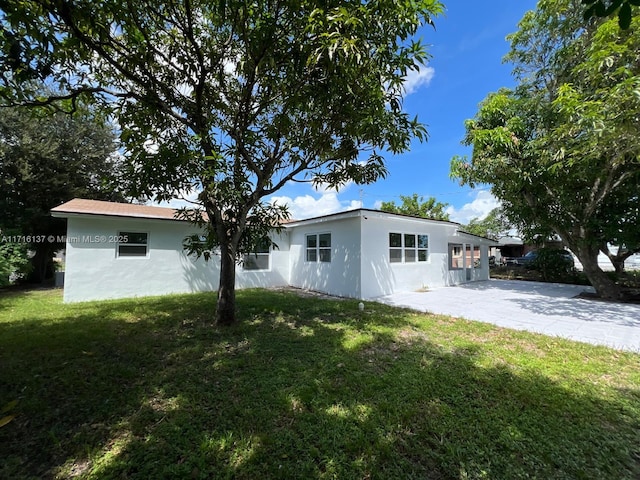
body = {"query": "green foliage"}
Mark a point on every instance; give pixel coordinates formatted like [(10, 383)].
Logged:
[(605, 8), (494, 225), (233, 99), (553, 266), (419, 207), (561, 150), (14, 260), (48, 158), (5, 413)]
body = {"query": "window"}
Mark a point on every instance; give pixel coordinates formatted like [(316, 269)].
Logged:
[(395, 248), (259, 260), (456, 261), (408, 248), (319, 247), (324, 241), (423, 248), (132, 244), (470, 256)]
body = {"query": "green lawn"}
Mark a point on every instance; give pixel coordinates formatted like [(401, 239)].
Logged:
[(303, 388)]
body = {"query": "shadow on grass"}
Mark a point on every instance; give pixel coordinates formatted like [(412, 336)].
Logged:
[(301, 388)]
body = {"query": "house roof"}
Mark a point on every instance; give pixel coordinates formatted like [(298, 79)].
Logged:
[(509, 240), (494, 242), (359, 211), (80, 206)]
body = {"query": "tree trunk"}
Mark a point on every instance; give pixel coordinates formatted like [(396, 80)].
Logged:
[(605, 287), (226, 307), (617, 260), (618, 265), (42, 265)]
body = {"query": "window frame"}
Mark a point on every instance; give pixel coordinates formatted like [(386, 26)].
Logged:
[(460, 256), (317, 252), (422, 249), (414, 249), (396, 248), (126, 233), (471, 254), (266, 252)]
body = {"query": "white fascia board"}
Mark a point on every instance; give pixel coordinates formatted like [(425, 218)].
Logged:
[(475, 238), (326, 218)]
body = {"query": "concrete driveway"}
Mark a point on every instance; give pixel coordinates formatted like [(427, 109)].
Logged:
[(548, 308)]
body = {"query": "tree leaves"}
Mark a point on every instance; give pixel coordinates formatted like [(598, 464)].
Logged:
[(237, 98), (419, 207), (47, 158), (6, 419), (598, 8), (561, 149)]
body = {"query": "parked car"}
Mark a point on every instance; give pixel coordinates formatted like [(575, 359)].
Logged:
[(530, 258)]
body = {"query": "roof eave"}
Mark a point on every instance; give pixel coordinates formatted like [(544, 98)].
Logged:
[(68, 214)]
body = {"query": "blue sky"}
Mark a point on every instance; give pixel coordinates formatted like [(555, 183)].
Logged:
[(467, 47)]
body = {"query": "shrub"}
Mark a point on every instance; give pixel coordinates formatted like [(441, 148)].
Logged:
[(14, 261), (553, 265)]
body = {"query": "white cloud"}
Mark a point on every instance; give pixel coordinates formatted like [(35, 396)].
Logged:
[(307, 206), (418, 78), (478, 208), (325, 202)]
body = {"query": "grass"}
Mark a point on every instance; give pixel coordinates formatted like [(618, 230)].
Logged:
[(303, 388)]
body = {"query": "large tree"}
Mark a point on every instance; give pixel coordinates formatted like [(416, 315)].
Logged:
[(494, 225), (47, 158), (561, 150), (233, 98), (417, 206)]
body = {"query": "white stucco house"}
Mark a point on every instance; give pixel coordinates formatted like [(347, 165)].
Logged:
[(116, 250)]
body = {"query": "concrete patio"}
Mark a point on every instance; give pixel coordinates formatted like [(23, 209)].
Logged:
[(548, 308)]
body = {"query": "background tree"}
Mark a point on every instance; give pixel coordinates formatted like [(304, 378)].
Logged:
[(417, 206), (494, 225), (232, 98), (47, 159), (561, 150)]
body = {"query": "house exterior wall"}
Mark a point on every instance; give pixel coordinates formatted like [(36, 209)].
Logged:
[(470, 272), (360, 265), (94, 271), (382, 277), (341, 276)]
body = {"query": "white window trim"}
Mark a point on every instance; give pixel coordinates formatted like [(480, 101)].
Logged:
[(472, 257), (450, 247), (318, 248), (403, 248), (131, 257), (258, 254)]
